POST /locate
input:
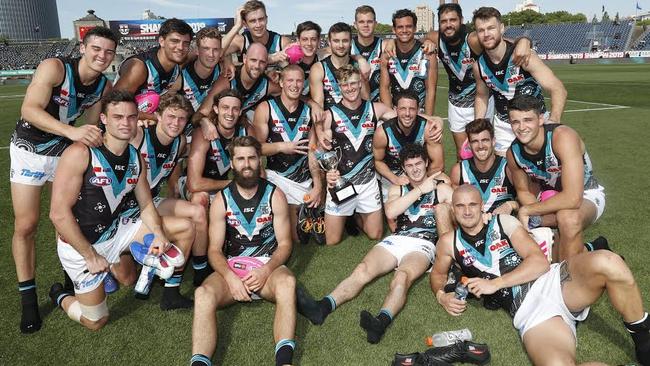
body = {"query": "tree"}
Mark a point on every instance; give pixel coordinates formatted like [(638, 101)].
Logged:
[(523, 17), (381, 28), (594, 20), (605, 17)]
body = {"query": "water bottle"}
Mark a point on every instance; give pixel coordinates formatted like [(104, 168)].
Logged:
[(423, 66), (143, 286), (461, 291), (443, 339)]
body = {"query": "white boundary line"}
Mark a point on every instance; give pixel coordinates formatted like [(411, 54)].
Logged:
[(12, 96)]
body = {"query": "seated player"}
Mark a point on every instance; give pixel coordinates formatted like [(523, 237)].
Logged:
[(283, 126), (208, 163), (503, 262), (409, 252), (554, 156), (350, 126), (87, 199), (161, 146), (485, 170), (248, 218)]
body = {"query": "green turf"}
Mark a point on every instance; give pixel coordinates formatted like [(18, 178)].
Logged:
[(140, 333)]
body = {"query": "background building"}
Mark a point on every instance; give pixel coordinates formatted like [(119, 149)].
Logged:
[(425, 18), (88, 22), (23, 20), (527, 5)]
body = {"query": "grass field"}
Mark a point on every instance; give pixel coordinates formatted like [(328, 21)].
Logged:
[(609, 106)]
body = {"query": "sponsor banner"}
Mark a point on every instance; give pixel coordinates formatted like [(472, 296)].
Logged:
[(139, 29)]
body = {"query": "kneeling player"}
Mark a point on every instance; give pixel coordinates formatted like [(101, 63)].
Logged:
[(504, 263), (247, 218), (87, 199), (410, 251)]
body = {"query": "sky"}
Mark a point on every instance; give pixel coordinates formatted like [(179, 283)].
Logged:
[(285, 15)]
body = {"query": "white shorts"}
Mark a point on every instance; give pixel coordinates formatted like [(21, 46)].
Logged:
[(185, 194), (543, 302), (75, 265), (294, 191), (265, 260), (459, 117), (366, 201), (597, 197), (385, 186), (399, 246), (31, 168)]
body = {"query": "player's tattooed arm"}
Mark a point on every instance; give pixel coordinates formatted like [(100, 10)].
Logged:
[(565, 275)]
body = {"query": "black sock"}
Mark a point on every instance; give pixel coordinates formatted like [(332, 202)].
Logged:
[(375, 327), (201, 269), (597, 244), (172, 298), (30, 319), (325, 306), (284, 352), (640, 333), (68, 285), (384, 319)]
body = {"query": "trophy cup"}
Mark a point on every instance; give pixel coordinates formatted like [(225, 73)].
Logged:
[(343, 190)]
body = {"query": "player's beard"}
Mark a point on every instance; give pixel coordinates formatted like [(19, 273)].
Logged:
[(496, 44), (455, 37), (246, 182)]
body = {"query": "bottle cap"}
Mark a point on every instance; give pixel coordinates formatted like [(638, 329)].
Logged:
[(306, 197), (429, 341), (463, 280)]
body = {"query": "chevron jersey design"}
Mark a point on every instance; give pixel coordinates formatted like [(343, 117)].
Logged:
[(273, 45), (546, 167), (489, 254), (253, 96), (217, 160), (69, 100), (458, 60), (352, 132), (288, 127), (106, 182), (396, 139), (494, 185), (158, 80), (404, 70), (249, 223), (419, 219), (196, 89), (372, 53), (507, 80)]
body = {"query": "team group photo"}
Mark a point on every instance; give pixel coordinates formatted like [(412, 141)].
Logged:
[(369, 183)]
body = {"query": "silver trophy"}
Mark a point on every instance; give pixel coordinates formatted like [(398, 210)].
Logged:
[(343, 190)]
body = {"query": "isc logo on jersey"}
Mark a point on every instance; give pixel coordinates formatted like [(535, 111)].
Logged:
[(100, 181)]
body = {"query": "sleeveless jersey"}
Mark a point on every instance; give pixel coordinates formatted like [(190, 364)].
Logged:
[(458, 60), (494, 185), (69, 100), (288, 127), (352, 132), (489, 255), (396, 139), (249, 223), (404, 73), (273, 45), (546, 167), (158, 80), (306, 68), (507, 80), (106, 182), (196, 89), (372, 53), (331, 89), (217, 159), (160, 161), (253, 96), (419, 219)]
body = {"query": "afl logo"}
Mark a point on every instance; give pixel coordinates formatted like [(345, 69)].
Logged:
[(61, 101), (100, 181), (468, 260)]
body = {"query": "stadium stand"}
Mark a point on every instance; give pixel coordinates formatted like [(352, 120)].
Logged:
[(577, 37), (643, 42), (27, 55)]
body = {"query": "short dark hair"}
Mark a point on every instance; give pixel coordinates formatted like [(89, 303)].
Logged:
[(405, 94), (525, 103), (365, 9), (486, 13), (450, 7), (226, 93), (403, 13), (245, 141), (116, 96), (338, 28), (308, 26), (170, 100), (412, 151), (101, 32), (175, 25), (479, 125)]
